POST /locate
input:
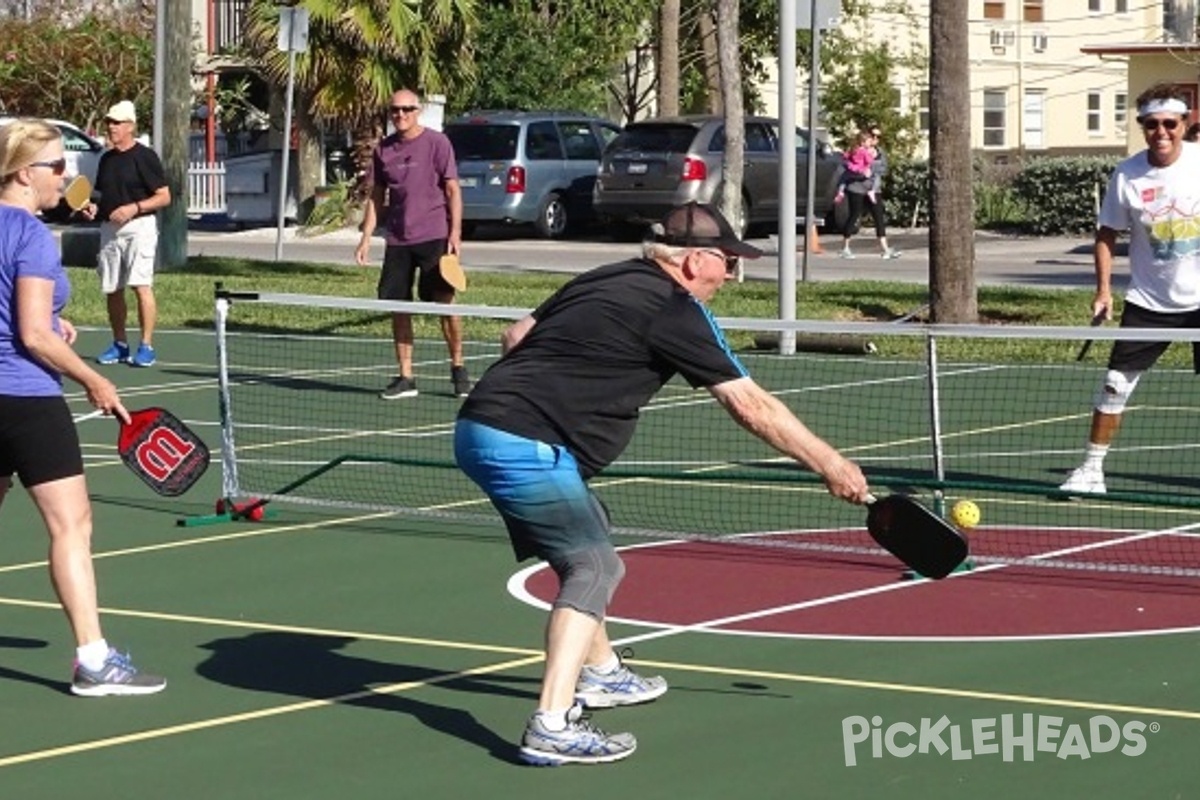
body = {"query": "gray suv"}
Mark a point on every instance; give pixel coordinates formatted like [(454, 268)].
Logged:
[(522, 167), (657, 164)]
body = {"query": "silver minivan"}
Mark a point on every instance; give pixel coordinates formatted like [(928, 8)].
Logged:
[(528, 167), (657, 164)]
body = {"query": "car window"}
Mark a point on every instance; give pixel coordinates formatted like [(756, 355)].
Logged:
[(483, 142), (656, 138), (541, 142), (608, 133), (75, 143), (759, 139), (578, 141)]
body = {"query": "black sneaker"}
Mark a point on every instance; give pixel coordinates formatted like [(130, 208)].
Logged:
[(398, 388), (461, 381)]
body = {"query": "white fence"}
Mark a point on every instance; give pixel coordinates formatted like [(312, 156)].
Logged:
[(206, 188)]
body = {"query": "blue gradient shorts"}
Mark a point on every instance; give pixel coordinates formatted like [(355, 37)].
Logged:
[(536, 487)]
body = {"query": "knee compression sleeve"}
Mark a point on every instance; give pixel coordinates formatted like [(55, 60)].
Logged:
[(588, 579), (1115, 391)]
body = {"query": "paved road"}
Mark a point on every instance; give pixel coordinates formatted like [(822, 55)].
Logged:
[(999, 260)]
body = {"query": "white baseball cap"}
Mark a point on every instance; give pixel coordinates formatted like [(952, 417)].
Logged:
[(122, 112)]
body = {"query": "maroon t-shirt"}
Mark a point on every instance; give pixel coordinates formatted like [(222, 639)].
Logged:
[(415, 172)]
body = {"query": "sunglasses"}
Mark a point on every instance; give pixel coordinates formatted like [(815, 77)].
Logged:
[(1151, 124), (404, 109), (58, 165)]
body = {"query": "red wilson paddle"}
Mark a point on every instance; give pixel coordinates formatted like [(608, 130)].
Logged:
[(162, 451)]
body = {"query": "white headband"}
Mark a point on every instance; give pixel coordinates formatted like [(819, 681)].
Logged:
[(1168, 106)]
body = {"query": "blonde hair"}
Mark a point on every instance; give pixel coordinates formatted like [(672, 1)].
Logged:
[(20, 142)]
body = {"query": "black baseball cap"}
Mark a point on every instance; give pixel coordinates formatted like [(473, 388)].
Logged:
[(701, 225)]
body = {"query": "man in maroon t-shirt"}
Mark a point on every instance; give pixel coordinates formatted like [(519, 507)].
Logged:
[(414, 170)]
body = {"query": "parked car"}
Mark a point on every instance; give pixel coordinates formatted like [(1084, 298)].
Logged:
[(528, 167), (657, 164)]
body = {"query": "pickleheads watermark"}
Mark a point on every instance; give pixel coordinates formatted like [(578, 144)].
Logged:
[(1008, 736)]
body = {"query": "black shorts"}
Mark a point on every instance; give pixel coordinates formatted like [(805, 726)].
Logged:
[(1141, 356), (38, 440), (400, 264)]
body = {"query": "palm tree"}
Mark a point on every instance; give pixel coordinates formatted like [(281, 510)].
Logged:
[(359, 53)]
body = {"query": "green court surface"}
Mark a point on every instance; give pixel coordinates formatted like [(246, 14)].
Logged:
[(361, 654)]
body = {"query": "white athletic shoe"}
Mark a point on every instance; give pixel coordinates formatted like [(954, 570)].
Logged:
[(1085, 480)]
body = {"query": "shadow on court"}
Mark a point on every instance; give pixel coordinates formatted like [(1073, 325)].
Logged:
[(22, 643), (310, 667)]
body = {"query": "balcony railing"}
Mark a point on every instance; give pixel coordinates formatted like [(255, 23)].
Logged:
[(230, 19)]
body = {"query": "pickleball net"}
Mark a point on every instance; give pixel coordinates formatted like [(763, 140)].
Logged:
[(997, 414)]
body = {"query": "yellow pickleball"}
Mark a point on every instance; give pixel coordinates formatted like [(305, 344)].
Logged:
[(965, 514)]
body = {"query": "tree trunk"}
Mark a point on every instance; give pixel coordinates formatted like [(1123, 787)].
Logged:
[(308, 158), (712, 68), (668, 58), (731, 98), (176, 120), (951, 205)]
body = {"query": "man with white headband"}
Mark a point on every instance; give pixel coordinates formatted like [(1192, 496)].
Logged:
[(1155, 195)]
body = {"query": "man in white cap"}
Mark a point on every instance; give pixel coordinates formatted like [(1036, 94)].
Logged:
[(131, 186)]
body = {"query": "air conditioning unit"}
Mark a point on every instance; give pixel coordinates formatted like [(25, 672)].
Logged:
[(1039, 42)]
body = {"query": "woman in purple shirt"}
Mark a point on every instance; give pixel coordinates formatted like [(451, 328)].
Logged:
[(38, 441)]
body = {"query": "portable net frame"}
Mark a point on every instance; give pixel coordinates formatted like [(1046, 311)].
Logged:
[(998, 414)]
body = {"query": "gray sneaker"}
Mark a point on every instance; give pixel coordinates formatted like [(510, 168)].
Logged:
[(118, 676), (398, 388), (623, 687), (580, 742)]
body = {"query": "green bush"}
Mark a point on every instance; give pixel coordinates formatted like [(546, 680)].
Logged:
[(1063, 194), (1044, 196)]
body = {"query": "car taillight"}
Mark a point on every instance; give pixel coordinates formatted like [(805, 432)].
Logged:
[(515, 183), (694, 170)]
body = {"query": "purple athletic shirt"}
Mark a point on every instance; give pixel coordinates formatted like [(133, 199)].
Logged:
[(415, 172), (27, 250)]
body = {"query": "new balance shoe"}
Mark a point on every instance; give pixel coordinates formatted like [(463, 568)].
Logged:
[(621, 687), (144, 357), (461, 381), (117, 353), (1085, 480), (580, 742), (118, 676), (398, 388)]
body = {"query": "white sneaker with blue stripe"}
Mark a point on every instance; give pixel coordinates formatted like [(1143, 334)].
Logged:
[(580, 742), (621, 687)]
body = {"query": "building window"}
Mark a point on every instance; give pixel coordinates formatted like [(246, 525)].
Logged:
[(1094, 6), (993, 9), (1034, 118), (1122, 6), (1033, 11), (923, 110), (1120, 111), (1093, 112), (994, 101)]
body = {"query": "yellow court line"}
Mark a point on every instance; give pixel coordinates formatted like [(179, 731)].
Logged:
[(938, 691), (221, 537), (248, 716)]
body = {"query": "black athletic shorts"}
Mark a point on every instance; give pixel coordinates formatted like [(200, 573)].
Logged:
[(38, 440), (401, 263), (1141, 356)]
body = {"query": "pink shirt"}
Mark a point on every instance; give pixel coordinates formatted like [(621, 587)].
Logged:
[(859, 160)]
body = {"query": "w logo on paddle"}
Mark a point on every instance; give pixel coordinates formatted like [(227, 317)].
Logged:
[(162, 451)]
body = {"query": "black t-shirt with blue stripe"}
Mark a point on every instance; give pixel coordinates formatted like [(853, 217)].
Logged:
[(601, 348)]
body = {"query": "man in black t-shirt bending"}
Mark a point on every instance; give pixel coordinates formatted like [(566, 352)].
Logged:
[(562, 403)]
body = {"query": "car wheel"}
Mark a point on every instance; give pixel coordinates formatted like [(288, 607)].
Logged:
[(551, 222)]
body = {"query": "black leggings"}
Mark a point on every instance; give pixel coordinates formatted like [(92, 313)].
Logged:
[(857, 204)]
